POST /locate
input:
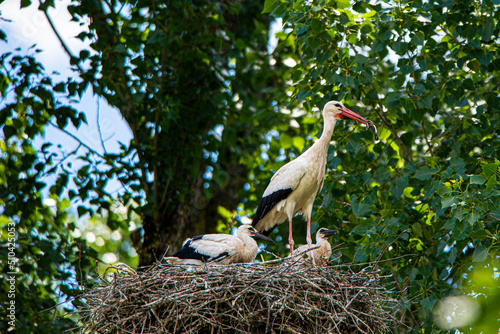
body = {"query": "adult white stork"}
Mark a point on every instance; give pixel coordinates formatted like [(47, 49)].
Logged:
[(294, 187), (220, 248), (321, 254)]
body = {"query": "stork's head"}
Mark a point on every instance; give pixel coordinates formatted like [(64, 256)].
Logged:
[(324, 233), (252, 233), (336, 110)]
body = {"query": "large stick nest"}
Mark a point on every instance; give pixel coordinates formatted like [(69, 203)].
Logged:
[(250, 298)]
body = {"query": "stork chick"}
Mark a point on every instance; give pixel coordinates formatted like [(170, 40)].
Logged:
[(320, 255), (220, 248), (295, 186)]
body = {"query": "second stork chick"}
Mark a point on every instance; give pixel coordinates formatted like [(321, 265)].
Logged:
[(323, 253)]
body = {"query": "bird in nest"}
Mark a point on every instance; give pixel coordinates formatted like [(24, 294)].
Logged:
[(220, 248)]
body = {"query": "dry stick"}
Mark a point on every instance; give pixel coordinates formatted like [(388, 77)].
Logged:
[(289, 258), (277, 288)]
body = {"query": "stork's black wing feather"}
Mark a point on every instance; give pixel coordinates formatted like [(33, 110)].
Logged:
[(267, 203), (189, 252)]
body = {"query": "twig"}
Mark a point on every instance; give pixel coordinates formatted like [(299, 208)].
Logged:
[(491, 216), (99, 126), (375, 268), (65, 47)]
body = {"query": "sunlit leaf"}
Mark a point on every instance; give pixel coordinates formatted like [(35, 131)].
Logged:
[(480, 254)]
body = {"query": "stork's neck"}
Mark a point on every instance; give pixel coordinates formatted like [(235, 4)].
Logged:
[(247, 240), (322, 144), (321, 241)]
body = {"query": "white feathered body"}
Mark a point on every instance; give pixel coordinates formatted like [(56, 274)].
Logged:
[(217, 248), (302, 178), (321, 254)]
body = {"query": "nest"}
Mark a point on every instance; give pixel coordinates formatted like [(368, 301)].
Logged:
[(249, 298)]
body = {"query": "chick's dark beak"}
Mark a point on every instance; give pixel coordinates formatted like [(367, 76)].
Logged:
[(329, 233), (259, 236)]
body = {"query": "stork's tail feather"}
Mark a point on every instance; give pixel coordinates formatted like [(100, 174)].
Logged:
[(266, 204)]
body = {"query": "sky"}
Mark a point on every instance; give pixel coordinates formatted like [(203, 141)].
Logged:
[(27, 27)]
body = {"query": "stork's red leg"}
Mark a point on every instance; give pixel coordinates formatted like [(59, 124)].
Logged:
[(308, 238), (290, 237)]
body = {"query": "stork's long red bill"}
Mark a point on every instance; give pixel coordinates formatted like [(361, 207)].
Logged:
[(347, 113)]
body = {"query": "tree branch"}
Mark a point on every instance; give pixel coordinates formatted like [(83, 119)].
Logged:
[(65, 47), (398, 140), (99, 126), (425, 136), (79, 141)]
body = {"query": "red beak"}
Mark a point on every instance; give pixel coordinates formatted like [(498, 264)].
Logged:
[(346, 113)]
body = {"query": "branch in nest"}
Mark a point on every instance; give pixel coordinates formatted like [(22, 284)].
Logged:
[(257, 298)]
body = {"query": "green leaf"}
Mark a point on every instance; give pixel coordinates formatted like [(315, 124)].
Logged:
[(299, 143), (419, 89), (285, 141), (473, 217), (458, 165), (424, 63), (476, 179), (25, 3), (423, 174), (378, 46), (392, 100), (396, 191), (269, 6), (410, 168), (418, 38), (335, 163), (448, 201), (489, 169), (402, 181), (301, 28), (491, 183), (343, 4), (360, 210), (327, 199), (480, 254), (417, 229), (431, 188), (303, 94), (9, 131), (468, 84), (406, 69), (474, 65), (428, 303), (369, 14)]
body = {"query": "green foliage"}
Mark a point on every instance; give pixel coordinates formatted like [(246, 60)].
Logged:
[(197, 87), (47, 262), (114, 246), (426, 194)]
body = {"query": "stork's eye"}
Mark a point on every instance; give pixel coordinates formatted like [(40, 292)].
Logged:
[(338, 105)]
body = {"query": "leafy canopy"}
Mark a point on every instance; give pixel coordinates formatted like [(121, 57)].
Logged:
[(427, 193)]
